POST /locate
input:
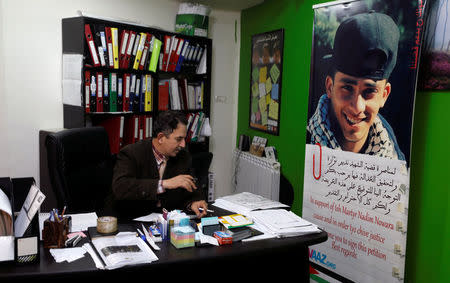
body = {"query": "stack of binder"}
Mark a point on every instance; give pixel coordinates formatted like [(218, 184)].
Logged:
[(180, 94)]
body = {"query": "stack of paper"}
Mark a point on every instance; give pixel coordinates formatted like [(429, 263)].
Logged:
[(67, 254), (283, 223), (245, 202)]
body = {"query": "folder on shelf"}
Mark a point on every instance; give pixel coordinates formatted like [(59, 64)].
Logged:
[(137, 94), (173, 46), (163, 95), (114, 127), (133, 79), (99, 92), (98, 43), (140, 48), (124, 37), (148, 93), (126, 92), (91, 44), (106, 101), (178, 45), (155, 54), (142, 91), (109, 43), (131, 129), (115, 43), (145, 51), (129, 49), (148, 126), (112, 92), (182, 55), (93, 94), (167, 41), (119, 94), (175, 103), (87, 91)]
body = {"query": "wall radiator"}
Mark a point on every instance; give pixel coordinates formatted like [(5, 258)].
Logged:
[(257, 175)]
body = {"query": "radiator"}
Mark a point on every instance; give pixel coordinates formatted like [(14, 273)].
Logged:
[(257, 175)]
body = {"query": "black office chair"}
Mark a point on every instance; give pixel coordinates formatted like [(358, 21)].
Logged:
[(286, 191), (200, 166), (80, 167)]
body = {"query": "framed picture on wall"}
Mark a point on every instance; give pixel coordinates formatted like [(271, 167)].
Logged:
[(265, 81)]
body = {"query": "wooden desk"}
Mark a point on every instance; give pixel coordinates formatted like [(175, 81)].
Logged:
[(288, 257)]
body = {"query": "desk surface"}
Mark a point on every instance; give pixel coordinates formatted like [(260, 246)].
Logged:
[(269, 251)]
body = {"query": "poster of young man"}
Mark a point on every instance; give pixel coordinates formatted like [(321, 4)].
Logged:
[(356, 182)]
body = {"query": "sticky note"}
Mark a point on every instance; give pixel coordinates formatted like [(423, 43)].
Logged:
[(264, 118), (273, 109), (255, 89), (263, 75), (274, 92), (262, 104), (255, 105), (262, 89), (274, 73), (255, 74), (268, 85)]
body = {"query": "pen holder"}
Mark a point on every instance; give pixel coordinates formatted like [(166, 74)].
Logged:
[(55, 233)]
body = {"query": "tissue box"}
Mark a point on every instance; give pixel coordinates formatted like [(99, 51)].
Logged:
[(182, 236), (223, 238)]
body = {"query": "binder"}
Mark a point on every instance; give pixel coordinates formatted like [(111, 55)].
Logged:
[(124, 36), (142, 91), (182, 84), (109, 43), (98, 43), (113, 126), (112, 92), (148, 126), (166, 52), (134, 50), (163, 95), (141, 127), (115, 44), (155, 54), (106, 102), (131, 129), (148, 93), (132, 92), (100, 92), (126, 62), (126, 92), (87, 91), (173, 46), (93, 94), (177, 55), (100, 28), (92, 49), (145, 51), (119, 95), (182, 55), (137, 94), (140, 48)]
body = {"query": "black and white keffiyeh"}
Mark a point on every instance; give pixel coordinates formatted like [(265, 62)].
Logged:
[(319, 126)]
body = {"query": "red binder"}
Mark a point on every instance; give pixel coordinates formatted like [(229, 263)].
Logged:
[(99, 92), (126, 62), (91, 44), (110, 47), (87, 91), (131, 130), (176, 55), (123, 44), (114, 127), (126, 91), (145, 52), (163, 95), (148, 126)]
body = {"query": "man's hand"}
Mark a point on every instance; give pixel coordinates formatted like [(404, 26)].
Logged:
[(196, 205), (180, 181)]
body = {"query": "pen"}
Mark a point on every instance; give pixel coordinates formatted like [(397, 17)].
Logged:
[(64, 210), (141, 235), (208, 210)]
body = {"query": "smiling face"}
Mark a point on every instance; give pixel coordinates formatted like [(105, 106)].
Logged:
[(355, 103)]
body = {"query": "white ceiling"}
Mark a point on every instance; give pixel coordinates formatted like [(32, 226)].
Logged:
[(230, 5)]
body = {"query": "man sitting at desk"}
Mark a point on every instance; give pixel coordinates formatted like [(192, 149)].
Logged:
[(155, 173)]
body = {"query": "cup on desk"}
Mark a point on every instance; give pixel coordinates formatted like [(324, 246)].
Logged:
[(55, 232)]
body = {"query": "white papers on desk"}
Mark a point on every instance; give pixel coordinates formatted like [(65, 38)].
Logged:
[(29, 208), (149, 218), (283, 223), (67, 254), (123, 249), (245, 202)]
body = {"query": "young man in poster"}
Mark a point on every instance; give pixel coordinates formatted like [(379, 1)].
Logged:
[(357, 87)]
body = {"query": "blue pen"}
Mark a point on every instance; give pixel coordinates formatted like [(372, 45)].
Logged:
[(141, 235)]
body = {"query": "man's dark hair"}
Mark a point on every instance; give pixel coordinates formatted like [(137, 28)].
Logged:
[(166, 122)]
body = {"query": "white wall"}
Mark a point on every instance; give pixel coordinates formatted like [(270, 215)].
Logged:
[(30, 74)]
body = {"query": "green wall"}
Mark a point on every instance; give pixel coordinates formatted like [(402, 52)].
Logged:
[(428, 247)]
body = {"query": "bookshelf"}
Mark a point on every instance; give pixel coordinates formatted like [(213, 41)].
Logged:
[(88, 83)]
